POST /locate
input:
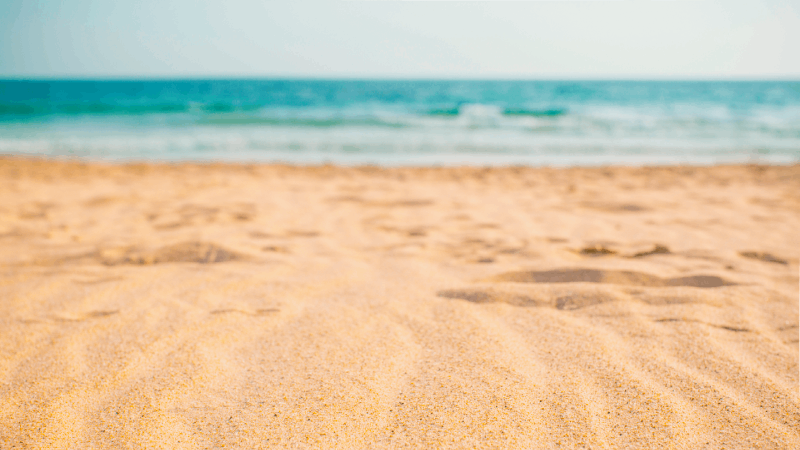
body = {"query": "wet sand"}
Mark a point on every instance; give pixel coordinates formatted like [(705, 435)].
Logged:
[(258, 306)]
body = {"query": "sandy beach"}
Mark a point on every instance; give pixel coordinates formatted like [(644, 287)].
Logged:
[(268, 306)]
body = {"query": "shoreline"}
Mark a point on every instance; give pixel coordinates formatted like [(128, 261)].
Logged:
[(434, 161), (10, 158)]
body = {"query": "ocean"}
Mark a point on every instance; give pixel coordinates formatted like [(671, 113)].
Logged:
[(404, 122)]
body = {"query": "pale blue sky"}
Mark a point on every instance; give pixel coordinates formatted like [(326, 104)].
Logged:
[(445, 39)]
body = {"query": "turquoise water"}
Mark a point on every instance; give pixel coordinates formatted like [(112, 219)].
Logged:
[(404, 122)]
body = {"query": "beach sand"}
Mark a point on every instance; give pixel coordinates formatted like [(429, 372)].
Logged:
[(256, 306)]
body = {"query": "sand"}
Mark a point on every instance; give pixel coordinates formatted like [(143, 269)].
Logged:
[(258, 306)]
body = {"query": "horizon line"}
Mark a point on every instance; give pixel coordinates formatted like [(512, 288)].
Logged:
[(199, 77)]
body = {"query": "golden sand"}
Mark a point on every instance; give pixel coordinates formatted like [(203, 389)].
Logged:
[(257, 306)]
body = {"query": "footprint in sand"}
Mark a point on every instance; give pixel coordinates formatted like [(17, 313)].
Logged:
[(723, 327), (657, 250), (257, 312), (191, 252), (596, 250), (615, 207), (568, 301), (400, 203), (601, 250), (763, 256), (576, 298), (83, 317), (275, 249), (98, 280), (610, 277)]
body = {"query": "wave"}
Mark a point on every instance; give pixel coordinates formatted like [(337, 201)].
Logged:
[(691, 122), (329, 122), (111, 109), (444, 112), (254, 110), (466, 109), (534, 112), (26, 109)]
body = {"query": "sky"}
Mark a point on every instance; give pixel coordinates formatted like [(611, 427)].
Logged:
[(633, 39)]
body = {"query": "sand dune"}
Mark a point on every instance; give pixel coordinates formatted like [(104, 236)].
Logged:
[(258, 306)]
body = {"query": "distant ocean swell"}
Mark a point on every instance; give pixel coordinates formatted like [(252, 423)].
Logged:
[(410, 122), (23, 110)]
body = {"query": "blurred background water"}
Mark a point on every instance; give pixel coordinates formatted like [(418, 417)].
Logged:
[(404, 122)]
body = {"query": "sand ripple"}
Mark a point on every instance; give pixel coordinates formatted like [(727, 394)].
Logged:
[(189, 306)]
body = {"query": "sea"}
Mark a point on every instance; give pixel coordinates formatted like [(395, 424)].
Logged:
[(404, 122)]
